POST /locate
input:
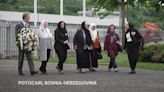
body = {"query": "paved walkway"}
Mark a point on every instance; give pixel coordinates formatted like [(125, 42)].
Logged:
[(143, 81)]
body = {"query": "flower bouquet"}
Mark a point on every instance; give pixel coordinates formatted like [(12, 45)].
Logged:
[(26, 39)]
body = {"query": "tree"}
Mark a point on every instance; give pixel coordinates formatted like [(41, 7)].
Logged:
[(71, 7), (11, 1), (145, 14), (111, 5)]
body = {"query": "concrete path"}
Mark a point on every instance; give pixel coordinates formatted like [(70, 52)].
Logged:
[(100, 81)]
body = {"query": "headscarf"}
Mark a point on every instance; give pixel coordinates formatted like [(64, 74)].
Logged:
[(131, 27), (93, 32), (42, 25), (45, 32), (87, 33), (83, 25)]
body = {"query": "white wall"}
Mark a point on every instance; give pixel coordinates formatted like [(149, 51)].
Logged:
[(52, 18)]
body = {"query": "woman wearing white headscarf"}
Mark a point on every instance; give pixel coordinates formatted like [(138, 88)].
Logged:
[(45, 45), (96, 52)]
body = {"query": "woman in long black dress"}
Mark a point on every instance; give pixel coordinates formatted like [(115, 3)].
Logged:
[(61, 45), (82, 43)]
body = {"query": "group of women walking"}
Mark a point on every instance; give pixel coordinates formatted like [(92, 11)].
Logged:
[(87, 46), (45, 45)]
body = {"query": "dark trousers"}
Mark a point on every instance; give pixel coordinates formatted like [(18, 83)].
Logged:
[(62, 55), (21, 59), (133, 55), (112, 63), (44, 63)]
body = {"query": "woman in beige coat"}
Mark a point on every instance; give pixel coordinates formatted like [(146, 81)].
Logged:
[(45, 45)]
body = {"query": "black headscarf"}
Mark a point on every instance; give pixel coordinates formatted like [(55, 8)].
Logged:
[(83, 25), (131, 27), (87, 33)]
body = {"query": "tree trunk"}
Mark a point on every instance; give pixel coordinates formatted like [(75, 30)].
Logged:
[(123, 22)]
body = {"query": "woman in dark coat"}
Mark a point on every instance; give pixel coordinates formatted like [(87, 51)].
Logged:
[(111, 46), (82, 42), (132, 44), (61, 45)]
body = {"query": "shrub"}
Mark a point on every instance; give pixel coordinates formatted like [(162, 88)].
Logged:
[(152, 53)]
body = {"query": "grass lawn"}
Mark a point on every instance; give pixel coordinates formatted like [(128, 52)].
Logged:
[(121, 60)]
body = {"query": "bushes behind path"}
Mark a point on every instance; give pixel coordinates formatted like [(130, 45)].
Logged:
[(152, 53)]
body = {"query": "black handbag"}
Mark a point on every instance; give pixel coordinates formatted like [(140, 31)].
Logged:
[(99, 56), (119, 48)]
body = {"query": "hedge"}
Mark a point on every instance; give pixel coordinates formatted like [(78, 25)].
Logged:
[(152, 53)]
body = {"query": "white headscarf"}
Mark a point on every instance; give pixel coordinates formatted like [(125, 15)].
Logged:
[(44, 32), (93, 32)]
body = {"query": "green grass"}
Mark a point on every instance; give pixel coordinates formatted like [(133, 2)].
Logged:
[(121, 60)]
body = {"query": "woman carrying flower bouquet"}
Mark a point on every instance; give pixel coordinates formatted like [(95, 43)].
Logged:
[(45, 45)]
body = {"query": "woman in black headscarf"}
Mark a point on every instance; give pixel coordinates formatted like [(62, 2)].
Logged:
[(82, 43), (132, 43), (61, 44)]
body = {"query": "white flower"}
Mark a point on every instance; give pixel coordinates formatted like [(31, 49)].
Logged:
[(30, 44), (30, 48), (29, 39), (35, 43)]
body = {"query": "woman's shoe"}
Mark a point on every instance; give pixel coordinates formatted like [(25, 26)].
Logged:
[(92, 70), (58, 68), (61, 72), (132, 72), (42, 70), (116, 69), (111, 69), (81, 71)]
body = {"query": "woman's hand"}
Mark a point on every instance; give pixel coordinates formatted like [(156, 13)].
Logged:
[(133, 33), (118, 42), (66, 42)]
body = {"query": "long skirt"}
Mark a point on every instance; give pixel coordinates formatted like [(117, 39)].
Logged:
[(94, 56), (83, 59)]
